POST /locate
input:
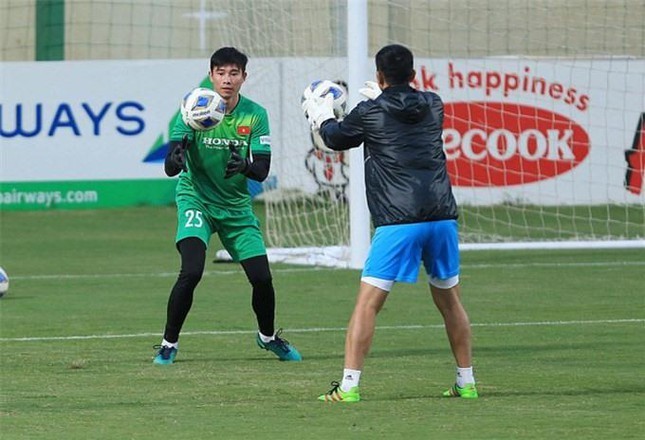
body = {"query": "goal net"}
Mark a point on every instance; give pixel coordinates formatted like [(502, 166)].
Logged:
[(543, 131), (544, 104)]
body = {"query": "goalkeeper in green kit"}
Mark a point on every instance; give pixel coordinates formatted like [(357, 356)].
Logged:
[(212, 197)]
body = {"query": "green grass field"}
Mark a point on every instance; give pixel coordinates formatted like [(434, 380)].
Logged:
[(558, 344)]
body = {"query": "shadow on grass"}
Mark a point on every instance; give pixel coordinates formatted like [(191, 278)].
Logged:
[(377, 354), (16, 297), (485, 393)]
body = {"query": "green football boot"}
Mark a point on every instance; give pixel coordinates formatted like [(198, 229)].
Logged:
[(338, 395), (468, 391)]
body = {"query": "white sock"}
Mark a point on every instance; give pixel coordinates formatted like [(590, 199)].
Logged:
[(266, 339), (174, 345), (464, 376), (350, 379)]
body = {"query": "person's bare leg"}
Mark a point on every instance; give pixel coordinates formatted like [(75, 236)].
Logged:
[(360, 330), (457, 323)]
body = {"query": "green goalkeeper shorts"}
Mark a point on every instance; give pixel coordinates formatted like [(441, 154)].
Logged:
[(238, 229)]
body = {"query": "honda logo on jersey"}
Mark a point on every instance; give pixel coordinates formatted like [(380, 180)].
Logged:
[(219, 142)]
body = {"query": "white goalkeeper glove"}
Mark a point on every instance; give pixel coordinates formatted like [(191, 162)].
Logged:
[(371, 90), (318, 110)]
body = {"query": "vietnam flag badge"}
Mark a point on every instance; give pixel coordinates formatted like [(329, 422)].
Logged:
[(243, 130)]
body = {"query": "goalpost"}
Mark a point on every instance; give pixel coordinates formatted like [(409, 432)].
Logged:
[(348, 201), (544, 105), (357, 52)]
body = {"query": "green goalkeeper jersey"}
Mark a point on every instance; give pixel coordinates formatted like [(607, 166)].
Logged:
[(247, 129)]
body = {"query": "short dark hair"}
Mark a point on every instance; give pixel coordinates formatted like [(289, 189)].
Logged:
[(229, 55), (396, 63)]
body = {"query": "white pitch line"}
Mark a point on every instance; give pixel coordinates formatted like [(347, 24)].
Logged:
[(309, 269), (326, 329)]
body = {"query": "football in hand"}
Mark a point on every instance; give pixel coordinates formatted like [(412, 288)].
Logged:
[(321, 88)]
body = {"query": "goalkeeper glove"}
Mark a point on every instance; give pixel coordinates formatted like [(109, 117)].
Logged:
[(178, 154), (371, 90), (318, 110), (236, 164)]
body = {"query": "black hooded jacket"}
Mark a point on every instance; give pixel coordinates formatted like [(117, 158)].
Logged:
[(405, 167)]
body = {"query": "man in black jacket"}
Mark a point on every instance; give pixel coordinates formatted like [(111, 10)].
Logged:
[(412, 207)]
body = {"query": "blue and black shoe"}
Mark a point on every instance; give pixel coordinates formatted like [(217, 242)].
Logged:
[(280, 347), (165, 355)]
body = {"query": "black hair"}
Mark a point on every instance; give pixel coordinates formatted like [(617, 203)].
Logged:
[(395, 62), (229, 55)]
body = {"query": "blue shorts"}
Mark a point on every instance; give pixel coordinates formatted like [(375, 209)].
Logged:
[(397, 251)]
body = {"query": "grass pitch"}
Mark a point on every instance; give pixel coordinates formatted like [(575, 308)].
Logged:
[(558, 339)]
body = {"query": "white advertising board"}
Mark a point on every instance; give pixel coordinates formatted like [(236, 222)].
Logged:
[(516, 130)]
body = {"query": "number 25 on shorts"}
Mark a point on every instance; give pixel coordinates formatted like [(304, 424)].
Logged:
[(193, 219)]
